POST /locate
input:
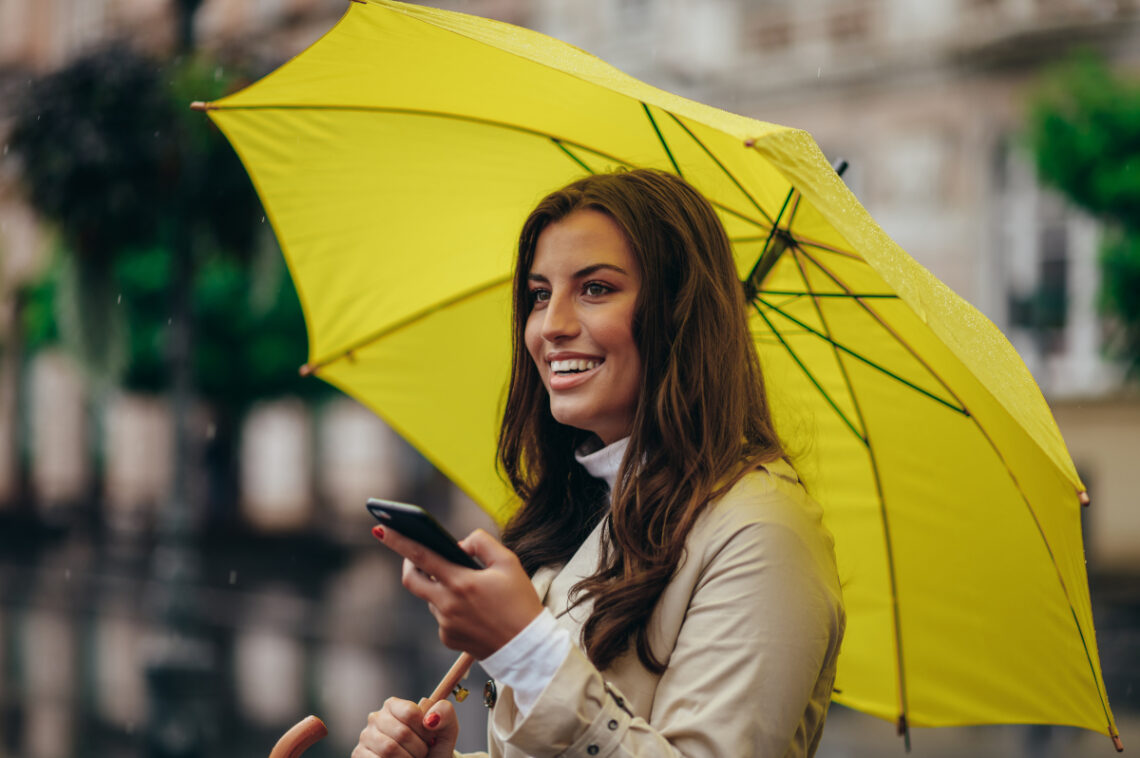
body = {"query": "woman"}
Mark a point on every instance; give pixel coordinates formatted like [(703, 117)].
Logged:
[(667, 587)]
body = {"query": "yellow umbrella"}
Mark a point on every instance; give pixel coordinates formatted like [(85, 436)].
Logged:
[(397, 158)]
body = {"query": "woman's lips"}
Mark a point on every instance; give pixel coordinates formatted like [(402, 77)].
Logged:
[(567, 381)]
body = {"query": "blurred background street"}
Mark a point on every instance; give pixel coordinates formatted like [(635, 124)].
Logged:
[(185, 562)]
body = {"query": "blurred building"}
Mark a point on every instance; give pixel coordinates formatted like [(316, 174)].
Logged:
[(925, 100)]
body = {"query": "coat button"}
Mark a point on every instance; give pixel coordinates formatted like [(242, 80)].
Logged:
[(592, 750), (490, 693), (613, 724)]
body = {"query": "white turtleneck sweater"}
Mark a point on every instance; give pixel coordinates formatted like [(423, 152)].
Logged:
[(528, 662)]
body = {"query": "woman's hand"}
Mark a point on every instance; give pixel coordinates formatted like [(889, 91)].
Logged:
[(478, 611), (401, 730)]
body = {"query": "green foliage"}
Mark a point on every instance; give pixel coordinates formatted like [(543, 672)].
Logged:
[(1120, 295), (112, 154), (1084, 131)]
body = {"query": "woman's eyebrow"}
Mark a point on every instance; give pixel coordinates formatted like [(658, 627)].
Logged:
[(598, 267), (581, 273)]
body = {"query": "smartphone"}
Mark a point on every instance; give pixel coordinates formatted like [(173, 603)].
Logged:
[(417, 524)]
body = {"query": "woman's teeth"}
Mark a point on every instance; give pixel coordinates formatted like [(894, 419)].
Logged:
[(574, 366)]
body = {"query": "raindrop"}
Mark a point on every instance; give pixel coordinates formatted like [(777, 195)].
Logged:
[(211, 430), (156, 135), (120, 299), (67, 575), (5, 148), (818, 71), (233, 576), (263, 219), (170, 321), (218, 74)]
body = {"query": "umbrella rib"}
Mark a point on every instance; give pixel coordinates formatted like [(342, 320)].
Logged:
[(314, 366), (811, 377), (806, 242), (832, 295), (900, 668), (722, 167), (1098, 684), (560, 141), (890, 330), (416, 112), (803, 242), (864, 359), (661, 139), (768, 254), (573, 157)]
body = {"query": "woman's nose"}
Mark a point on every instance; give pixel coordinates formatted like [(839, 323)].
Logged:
[(560, 320)]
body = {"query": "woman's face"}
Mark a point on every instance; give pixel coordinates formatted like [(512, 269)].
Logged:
[(583, 287)]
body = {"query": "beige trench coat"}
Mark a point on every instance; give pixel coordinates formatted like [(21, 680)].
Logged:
[(750, 626)]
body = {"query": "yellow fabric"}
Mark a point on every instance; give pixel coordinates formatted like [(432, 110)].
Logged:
[(397, 158)]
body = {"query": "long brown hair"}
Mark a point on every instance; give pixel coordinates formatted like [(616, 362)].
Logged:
[(701, 421)]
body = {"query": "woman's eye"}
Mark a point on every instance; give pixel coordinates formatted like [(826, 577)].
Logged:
[(596, 289), (539, 296)]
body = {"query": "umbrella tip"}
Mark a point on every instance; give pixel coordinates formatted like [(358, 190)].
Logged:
[(307, 370), (904, 731), (1116, 743), (199, 105), (1084, 498)]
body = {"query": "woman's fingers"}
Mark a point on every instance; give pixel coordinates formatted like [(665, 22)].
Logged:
[(427, 561), (443, 727), (478, 611), (395, 731), (486, 548)]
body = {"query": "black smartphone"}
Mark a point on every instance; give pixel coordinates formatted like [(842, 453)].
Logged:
[(417, 524)]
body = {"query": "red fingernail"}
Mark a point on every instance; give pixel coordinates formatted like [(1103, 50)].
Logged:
[(378, 532), (432, 720)]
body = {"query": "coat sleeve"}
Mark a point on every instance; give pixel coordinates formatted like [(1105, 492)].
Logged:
[(750, 672)]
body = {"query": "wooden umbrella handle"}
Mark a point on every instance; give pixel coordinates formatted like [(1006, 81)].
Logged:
[(311, 729), (452, 678), (299, 738)]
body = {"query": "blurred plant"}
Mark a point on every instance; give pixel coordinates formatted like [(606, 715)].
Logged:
[(157, 225), (112, 155), (1084, 131)]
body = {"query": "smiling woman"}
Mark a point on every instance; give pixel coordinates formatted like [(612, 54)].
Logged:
[(668, 587)]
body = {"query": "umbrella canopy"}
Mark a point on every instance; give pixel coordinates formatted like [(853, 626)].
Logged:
[(397, 158)]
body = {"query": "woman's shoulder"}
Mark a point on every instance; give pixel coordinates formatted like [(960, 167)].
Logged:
[(768, 501)]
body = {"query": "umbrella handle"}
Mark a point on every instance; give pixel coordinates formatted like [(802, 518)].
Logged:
[(311, 729), (450, 682), (299, 738)]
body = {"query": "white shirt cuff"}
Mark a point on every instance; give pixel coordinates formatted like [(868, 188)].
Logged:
[(527, 663)]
